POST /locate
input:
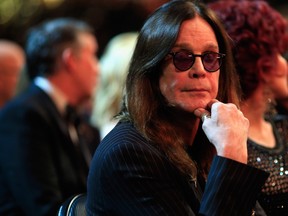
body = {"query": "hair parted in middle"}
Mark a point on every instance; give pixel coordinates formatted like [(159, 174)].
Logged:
[(145, 106)]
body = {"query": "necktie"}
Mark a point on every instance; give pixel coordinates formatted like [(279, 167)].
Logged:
[(74, 122), (71, 119)]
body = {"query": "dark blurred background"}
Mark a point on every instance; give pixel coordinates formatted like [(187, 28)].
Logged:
[(108, 17)]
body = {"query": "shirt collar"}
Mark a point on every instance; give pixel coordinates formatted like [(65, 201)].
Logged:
[(55, 93)]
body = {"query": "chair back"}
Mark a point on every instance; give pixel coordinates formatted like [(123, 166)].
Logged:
[(74, 206)]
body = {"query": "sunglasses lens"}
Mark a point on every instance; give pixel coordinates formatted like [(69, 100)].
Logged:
[(183, 61), (212, 61)]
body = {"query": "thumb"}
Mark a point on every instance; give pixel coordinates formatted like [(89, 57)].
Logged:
[(200, 112)]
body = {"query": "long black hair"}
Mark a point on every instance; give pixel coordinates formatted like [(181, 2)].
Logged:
[(145, 106)]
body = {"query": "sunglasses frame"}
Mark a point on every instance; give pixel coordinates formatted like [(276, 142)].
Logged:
[(220, 57)]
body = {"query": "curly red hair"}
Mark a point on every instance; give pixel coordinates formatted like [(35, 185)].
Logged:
[(258, 32)]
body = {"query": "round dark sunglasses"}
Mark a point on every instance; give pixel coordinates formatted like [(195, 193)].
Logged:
[(184, 60)]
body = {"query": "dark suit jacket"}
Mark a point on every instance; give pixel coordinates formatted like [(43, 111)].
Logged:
[(130, 176), (39, 165)]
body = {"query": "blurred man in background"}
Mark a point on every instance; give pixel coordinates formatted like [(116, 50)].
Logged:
[(45, 149)]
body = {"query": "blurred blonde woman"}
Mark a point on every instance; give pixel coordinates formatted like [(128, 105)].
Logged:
[(114, 64)]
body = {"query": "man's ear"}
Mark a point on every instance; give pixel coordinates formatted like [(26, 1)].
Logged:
[(68, 59)]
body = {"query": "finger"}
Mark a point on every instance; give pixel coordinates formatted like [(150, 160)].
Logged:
[(209, 105), (205, 116), (202, 113)]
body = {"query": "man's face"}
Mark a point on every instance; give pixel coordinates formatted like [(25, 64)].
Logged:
[(195, 87), (87, 72)]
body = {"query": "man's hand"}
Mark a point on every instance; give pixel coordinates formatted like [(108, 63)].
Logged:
[(226, 128)]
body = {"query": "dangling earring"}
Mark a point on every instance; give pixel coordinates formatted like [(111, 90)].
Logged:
[(271, 108), (270, 103)]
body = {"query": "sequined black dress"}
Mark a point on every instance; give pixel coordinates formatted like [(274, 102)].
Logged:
[(274, 196)]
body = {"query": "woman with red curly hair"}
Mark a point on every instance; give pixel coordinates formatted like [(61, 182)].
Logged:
[(260, 38)]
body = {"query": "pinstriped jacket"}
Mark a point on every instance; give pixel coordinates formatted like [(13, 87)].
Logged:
[(129, 176)]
